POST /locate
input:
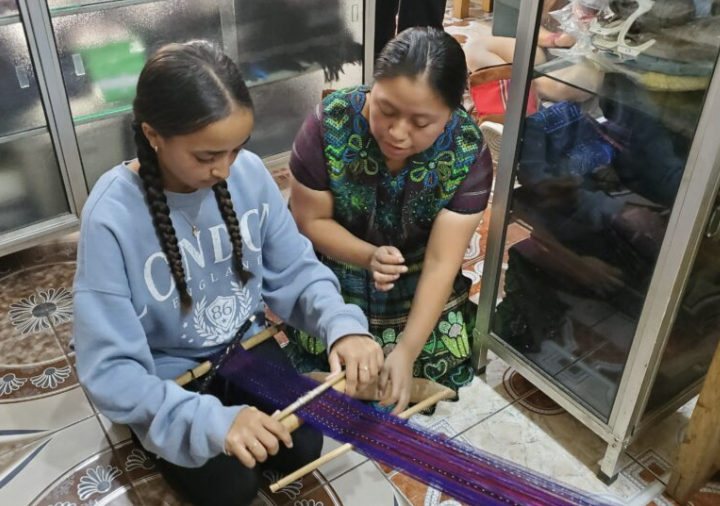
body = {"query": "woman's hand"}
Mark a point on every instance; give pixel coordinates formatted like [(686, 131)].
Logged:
[(363, 359), (386, 265), (254, 435), (396, 379), (599, 276)]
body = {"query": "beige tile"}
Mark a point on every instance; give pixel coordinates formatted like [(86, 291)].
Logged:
[(68, 466), (22, 422), (118, 434), (364, 486), (341, 465), (561, 448)]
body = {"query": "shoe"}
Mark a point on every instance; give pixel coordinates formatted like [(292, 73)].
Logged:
[(662, 14)]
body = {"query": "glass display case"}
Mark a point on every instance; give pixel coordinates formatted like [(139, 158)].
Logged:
[(35, 190), (54, 147), (611, 304)]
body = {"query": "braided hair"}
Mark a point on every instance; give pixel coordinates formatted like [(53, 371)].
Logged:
[(182, 89)]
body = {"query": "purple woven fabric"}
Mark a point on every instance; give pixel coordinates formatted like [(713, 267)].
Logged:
[(459, 470)]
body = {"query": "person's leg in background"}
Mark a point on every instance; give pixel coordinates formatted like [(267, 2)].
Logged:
[(421, 13), (386, 12)]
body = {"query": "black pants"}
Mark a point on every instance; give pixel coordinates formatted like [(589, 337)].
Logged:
[(225, 481), (411, 13)]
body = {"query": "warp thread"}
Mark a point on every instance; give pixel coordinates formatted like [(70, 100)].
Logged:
[(457, 469)]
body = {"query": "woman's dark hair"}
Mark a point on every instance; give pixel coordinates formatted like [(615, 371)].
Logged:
[(182, 89), (430, 53)]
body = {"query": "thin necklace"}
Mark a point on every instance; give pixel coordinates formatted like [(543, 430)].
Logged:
[(195, 230)]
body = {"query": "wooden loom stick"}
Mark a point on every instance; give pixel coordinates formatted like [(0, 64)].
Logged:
[(337, 382), (249, 343), (312, 466)]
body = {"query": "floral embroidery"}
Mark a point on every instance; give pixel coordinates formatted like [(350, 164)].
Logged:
[(432, 171), (454, 334), (358, 156), (364, 190), (388, 340)]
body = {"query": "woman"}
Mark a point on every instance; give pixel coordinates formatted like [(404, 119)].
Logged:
[(391, 183), (177, 249)]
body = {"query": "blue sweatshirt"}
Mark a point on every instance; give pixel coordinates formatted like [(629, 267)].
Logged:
[(130, 337)]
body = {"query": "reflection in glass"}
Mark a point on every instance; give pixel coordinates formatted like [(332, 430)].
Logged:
[(31, 189), (314, 45), (696, 331), (102, 52), (286, 37), (281, 107), (599, 168), (8, 8), (20, 106), (104, 143)]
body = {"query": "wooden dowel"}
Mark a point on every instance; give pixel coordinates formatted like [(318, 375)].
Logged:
[(312, 466), (249, 343), (309, 397), (293, 423)]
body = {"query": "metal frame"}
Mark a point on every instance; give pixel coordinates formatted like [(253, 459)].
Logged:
[(41, 43), (229, 29), (691, 211), (369, 42)]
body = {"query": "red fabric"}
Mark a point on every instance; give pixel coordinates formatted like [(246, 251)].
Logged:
[(491, 98)]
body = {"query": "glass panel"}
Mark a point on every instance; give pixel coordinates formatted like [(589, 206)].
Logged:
[(603, 152), (20, 105), (103, 46), (31, 187), (104, 144), (103, 51), (8, 10), (696, 331), (281, 108), (306, 35)]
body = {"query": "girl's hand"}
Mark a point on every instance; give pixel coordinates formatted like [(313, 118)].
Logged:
[(254, 435)]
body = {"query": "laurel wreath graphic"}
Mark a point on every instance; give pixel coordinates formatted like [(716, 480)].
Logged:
[(203, 330), (245, 299), (206, 331)]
